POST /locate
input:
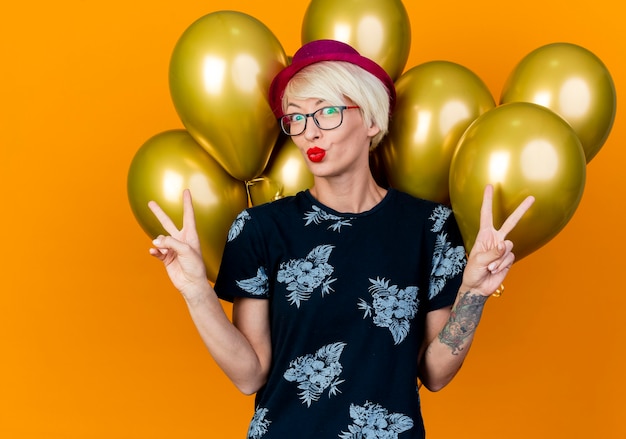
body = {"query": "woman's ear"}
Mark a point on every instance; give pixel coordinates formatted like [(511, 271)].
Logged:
[(373, 130)]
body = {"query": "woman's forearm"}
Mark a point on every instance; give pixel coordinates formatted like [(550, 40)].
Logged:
[(445, 354), (228, 346)]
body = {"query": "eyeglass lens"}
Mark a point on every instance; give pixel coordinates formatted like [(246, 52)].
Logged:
[(326, 118)]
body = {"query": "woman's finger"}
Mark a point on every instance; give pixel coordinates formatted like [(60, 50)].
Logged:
[(163, 218), (517, 214), (494, 255), (189, 220), (167, 243), (501, 264), (159, 253), (486, 209)]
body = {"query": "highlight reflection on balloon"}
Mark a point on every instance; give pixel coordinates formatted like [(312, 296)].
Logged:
[(167, 164), (288, 167), (286, 174), (220, 71), (436, 102), (572, 82), (521, 149), (379, 30)]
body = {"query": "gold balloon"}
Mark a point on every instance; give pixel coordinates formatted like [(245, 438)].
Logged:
[(521, 149), (286, 174), (167, 164), (572, 82), (379, 30), (219, 76), (436, 102)]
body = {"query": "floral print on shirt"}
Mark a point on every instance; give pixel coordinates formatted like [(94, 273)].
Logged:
[(258, 425), (258, 285), (302, 276), (237, 225), (439, 216), (448, 261), (317, 216), (372, 421), (317, 372), (392, 307)]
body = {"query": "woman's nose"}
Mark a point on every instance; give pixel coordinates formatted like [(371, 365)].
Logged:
[(311, 130)]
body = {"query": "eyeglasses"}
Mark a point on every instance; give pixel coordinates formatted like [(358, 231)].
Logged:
[(326, 118)]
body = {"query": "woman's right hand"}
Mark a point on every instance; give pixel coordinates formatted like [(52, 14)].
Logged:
[(242, 349), (180, 252)]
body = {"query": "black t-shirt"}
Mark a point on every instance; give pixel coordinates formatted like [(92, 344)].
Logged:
[(348, 298)]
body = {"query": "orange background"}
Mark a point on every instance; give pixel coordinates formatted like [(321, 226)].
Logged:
[(94, 341)]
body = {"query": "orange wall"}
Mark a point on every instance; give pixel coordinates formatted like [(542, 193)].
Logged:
[(95, 343)]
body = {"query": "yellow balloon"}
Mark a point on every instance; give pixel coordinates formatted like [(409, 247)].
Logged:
[(521, 149), (436, 102), (572, 82), (167, 164), (286, 174), (219, 76), (379, 30)]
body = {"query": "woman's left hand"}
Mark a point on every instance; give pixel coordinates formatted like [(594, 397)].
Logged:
[(491, 256)]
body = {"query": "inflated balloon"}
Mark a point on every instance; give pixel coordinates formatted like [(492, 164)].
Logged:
[(286, 174), (379, 30), (572, 82), (288, 167), (436, 102), (220, 72), (521, 149), (167, 164)]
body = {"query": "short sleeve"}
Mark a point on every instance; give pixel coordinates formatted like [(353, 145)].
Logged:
[(448, 258), (243, 269)]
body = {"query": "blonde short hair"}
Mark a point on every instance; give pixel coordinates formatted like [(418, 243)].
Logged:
[(338, 81)]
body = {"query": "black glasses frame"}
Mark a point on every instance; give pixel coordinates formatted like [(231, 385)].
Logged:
[(313, 116)]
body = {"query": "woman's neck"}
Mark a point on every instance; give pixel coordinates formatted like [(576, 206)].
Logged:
[(348, 195)]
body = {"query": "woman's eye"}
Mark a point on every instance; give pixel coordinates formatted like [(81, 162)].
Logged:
[(330, 111)]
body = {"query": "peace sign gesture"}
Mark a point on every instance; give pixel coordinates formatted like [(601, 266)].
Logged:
[(491, 256), (180, 251)]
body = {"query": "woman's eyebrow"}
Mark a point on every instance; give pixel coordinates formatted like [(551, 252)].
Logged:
[(291, 104)]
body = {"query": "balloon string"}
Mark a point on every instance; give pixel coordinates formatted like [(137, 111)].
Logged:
[(277, 195), (248, 184)]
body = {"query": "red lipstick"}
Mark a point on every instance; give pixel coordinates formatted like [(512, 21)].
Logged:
[(315, 154)]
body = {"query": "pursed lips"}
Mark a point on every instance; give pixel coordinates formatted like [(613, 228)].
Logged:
[(315, 154)]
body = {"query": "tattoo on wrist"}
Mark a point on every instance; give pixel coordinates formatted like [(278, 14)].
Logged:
[(463, 321)]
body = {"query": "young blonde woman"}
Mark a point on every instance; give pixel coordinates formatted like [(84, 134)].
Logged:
[(346, 294)]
